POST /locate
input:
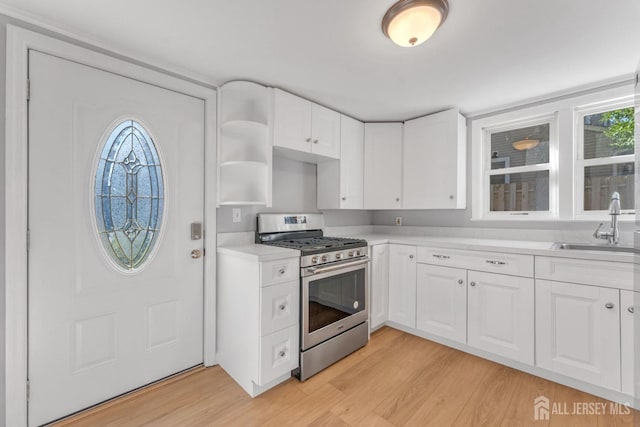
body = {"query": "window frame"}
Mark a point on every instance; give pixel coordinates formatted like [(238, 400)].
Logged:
[(547, 118), (564, 106), (581, 163)]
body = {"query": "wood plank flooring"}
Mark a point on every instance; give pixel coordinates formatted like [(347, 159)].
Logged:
[(396, 380)]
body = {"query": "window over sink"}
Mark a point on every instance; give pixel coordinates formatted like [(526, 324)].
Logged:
[(556, 160)]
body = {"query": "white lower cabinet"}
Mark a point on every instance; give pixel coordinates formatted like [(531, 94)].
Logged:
[(258, 315), (629, 312), (379, 279), (500, 315), (441, 301), (578, 331), (402, 284)]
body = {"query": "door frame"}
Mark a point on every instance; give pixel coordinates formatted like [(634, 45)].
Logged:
[(19, 42)]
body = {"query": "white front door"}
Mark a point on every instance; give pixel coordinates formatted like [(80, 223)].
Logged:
[(116, 177)]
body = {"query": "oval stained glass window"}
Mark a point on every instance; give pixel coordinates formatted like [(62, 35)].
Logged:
[(129, 195)]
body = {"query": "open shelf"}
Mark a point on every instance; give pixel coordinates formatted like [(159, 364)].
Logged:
[(244, 145)]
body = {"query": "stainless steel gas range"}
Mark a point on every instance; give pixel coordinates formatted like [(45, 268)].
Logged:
[(333, 287)]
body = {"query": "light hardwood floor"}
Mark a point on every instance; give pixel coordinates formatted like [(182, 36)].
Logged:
[(396, 380)]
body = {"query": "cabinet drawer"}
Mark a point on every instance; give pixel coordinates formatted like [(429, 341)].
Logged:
[(618, 275), (280, 271), (279, 307), (491, 262), (278, 354)]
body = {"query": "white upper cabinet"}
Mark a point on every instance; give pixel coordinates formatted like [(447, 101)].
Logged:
[(341, 183), (305, 128), (434, 162), (325, 132), (382, 165), (578, 331)]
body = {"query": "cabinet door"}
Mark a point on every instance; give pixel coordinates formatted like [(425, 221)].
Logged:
[(325, 132), (630, 343), (500, 315), (382, 165), (434, 162), (379, 294), (291, 121), (441, 301), (578, 331), (402, 285), (351, 163)]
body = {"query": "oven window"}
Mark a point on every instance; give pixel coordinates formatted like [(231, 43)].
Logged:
[(335, 298)]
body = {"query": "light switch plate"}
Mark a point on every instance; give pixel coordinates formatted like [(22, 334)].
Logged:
[(237, 215)]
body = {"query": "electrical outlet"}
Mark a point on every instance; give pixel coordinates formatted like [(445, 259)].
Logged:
[(398, 220), (237, 215)]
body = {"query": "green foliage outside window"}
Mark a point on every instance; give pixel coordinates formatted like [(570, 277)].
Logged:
[(620, 128)]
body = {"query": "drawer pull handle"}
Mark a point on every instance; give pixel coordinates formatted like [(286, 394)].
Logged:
[(631, 310), (282, 271), (472, 283), (489, 261), (282, 307), (609, 305), (441, 256), (460, 281), (282, 353)]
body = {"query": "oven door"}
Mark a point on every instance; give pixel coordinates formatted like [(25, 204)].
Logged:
[(334, 299)]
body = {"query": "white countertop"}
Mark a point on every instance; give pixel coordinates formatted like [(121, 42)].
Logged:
[(259, 253), (494, 245)]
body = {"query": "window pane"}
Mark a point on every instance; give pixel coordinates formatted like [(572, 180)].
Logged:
[(601, 181), (520, 192), (608, 134), (520, 147)]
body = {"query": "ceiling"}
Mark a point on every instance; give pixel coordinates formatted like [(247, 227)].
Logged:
[(488, 53)]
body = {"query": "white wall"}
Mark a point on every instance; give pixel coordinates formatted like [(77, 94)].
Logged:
[(294, 190), (3, 45)]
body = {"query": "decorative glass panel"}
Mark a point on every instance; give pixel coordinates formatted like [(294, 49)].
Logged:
[(129, 195)]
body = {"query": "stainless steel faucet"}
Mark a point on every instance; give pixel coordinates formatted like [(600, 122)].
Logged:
[(613, 235)]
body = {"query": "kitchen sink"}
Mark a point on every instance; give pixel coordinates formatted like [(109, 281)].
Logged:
[(594, 247)]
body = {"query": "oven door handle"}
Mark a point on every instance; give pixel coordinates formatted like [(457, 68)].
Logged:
[(320, 270)]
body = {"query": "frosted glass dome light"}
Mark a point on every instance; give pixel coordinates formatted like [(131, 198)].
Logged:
[(409, 23)]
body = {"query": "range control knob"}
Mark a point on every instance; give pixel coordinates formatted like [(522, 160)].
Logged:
[(314, 260), (324, 258), (350, 253), (338, 256), (358, 252)]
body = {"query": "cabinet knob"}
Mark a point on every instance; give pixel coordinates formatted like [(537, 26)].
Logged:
[(397, 199), (609, 305), (282, 271), (344, 198), (451, 196), (282, 307), (410, 256), (631, 310), (460, 281), (472, 283), (315, 141), (282, 353), (308, 140)]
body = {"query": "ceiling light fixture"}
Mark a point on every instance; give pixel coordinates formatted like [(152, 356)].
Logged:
[(411, 22), (525, 144)]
